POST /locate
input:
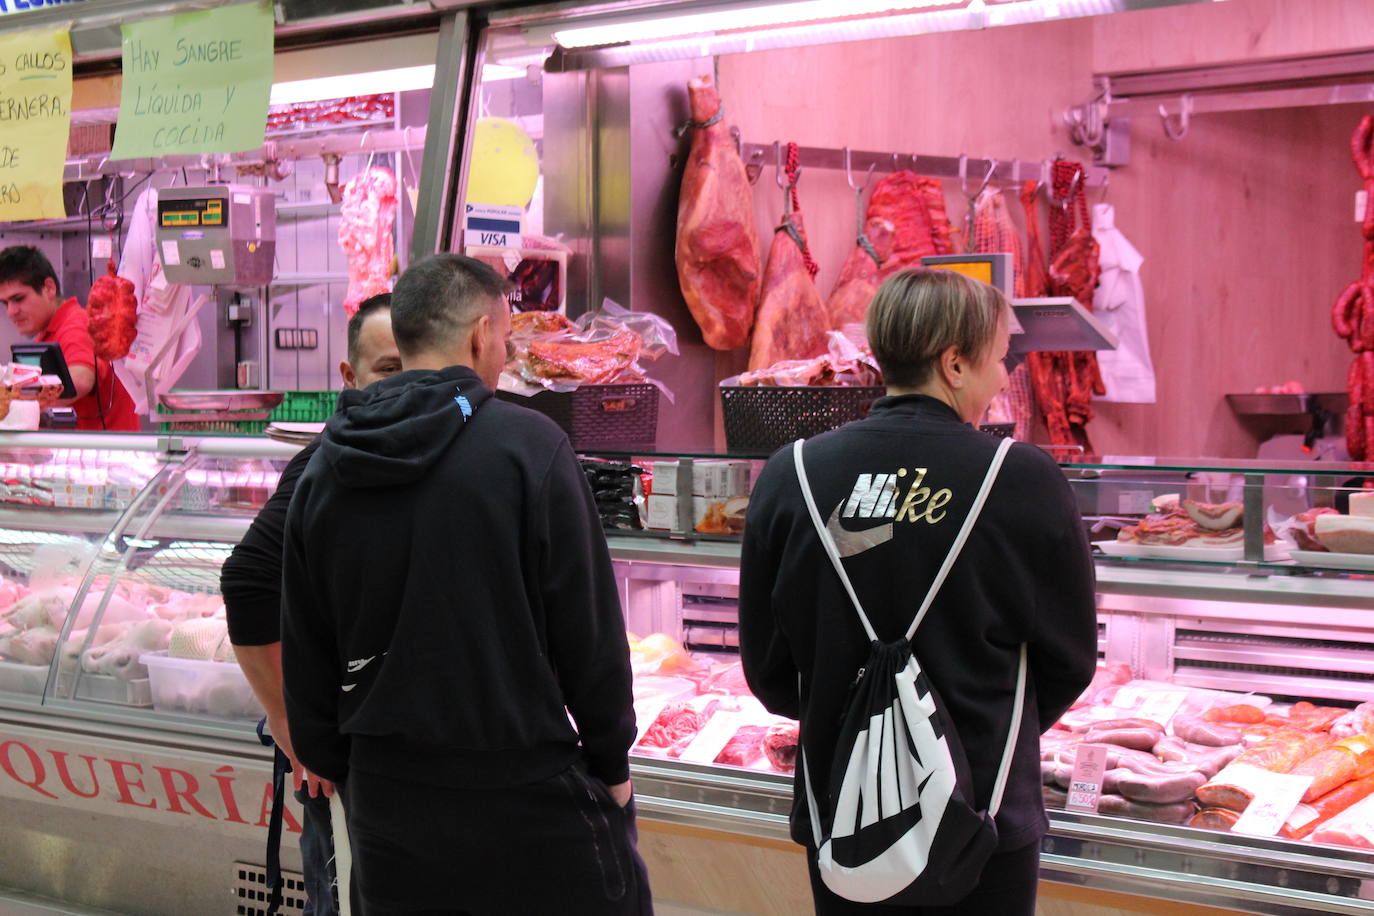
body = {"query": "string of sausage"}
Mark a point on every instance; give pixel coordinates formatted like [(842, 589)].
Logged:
[(1047, 377), (1074, 271), (1353, 314)]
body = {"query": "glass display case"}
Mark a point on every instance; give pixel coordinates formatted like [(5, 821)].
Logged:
[(1223, 618)]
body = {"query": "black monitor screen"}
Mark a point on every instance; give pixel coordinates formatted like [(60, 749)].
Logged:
[(48, 358)]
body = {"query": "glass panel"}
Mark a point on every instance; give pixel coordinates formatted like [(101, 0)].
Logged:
[(56, 506), (160, 640)]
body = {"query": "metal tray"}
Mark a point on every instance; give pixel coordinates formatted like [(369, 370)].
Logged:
[(1252, 405), (221, 400)]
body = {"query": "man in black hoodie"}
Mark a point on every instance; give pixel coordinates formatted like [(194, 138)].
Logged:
[(468, 674)]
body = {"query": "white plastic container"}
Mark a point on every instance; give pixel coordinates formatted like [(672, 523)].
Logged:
[(204, 688)]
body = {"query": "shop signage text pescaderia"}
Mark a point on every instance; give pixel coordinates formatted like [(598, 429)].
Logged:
[(35, 119), (195, 83), (125, 780)]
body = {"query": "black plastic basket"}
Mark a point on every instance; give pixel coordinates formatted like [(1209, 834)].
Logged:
[(999, 430), (618, 418), (765, 419)]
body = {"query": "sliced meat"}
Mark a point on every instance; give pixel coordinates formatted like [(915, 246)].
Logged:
[(1214, 516), (1214, 819), (717, 245), (780, 746)]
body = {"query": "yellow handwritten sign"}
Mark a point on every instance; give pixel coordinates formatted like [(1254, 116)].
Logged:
[(35, 119), (195, 83)]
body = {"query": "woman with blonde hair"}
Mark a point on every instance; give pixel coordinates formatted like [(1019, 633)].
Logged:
[(894, 489)]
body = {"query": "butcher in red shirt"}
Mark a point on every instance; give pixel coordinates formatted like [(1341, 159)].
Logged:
[(29, 291)]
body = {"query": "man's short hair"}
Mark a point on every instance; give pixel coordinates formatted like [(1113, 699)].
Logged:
[(27, 265), (918, 314), (439, 297), (355, 324)]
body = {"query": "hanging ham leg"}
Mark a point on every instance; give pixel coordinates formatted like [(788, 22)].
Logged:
[(859, 279), (792, 320), (717, 247)]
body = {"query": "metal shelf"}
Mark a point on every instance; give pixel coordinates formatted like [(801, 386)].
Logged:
[(296, 280), (319, 209)]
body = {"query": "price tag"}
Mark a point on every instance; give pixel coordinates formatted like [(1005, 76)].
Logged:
[(1361, 203), (713, 737), (1134, 502), (101, 247), (1085, 786), (1275, 796), (1160, 705)]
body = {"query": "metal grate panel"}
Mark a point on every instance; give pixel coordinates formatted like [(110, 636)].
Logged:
[(250, 890)]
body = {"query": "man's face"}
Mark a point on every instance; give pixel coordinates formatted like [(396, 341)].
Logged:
[(377, 354), (497, 350), (29, 309)]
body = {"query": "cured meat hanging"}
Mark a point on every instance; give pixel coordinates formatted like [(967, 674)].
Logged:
[(915, 206), (112, 315), (993, 232), (1070, 378), (860, 274), (1353, 314), (1048, 375), (792, 319), (368, 212), (717, 245)]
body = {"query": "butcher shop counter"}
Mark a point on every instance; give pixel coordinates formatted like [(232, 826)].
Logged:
[(122, 714)]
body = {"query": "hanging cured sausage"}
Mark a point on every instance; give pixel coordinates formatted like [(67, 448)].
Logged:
[(1048, 372), (1353, 314), (717, 245)]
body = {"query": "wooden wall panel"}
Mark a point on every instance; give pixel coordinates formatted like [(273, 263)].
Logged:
[(1240, 30), (1246, 225)]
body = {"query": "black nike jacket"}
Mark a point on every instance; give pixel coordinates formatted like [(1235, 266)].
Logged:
[(895, 488)]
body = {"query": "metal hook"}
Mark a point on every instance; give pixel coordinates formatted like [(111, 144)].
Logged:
[(779, 175), (1064, 202), (963, 174), (1185, 109), (849, 174), (992, 169)]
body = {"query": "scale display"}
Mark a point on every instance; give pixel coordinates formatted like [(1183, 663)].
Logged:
[(204, 211)]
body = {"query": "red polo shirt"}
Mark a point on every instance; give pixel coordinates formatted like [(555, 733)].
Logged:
[(114, 411)]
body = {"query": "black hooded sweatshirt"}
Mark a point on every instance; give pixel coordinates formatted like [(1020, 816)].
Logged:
[(906, 477), (448, 598)]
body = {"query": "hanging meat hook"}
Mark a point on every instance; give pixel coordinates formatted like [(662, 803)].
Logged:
[(1185, 109)]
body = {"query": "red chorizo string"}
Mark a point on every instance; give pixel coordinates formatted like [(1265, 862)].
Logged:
[(1352, 317), (792, 169)]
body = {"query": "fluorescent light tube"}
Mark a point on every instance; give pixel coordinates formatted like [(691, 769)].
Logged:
[(340, 87), (647, 29)]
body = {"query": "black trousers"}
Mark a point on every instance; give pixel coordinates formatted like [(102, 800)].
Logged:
[(1007, 888), (561, 845)]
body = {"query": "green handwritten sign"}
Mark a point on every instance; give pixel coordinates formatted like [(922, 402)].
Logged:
[(195, 83), (35, 119)]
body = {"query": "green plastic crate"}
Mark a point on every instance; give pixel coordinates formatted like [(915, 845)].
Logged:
[(306, 407), (236, 427)]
